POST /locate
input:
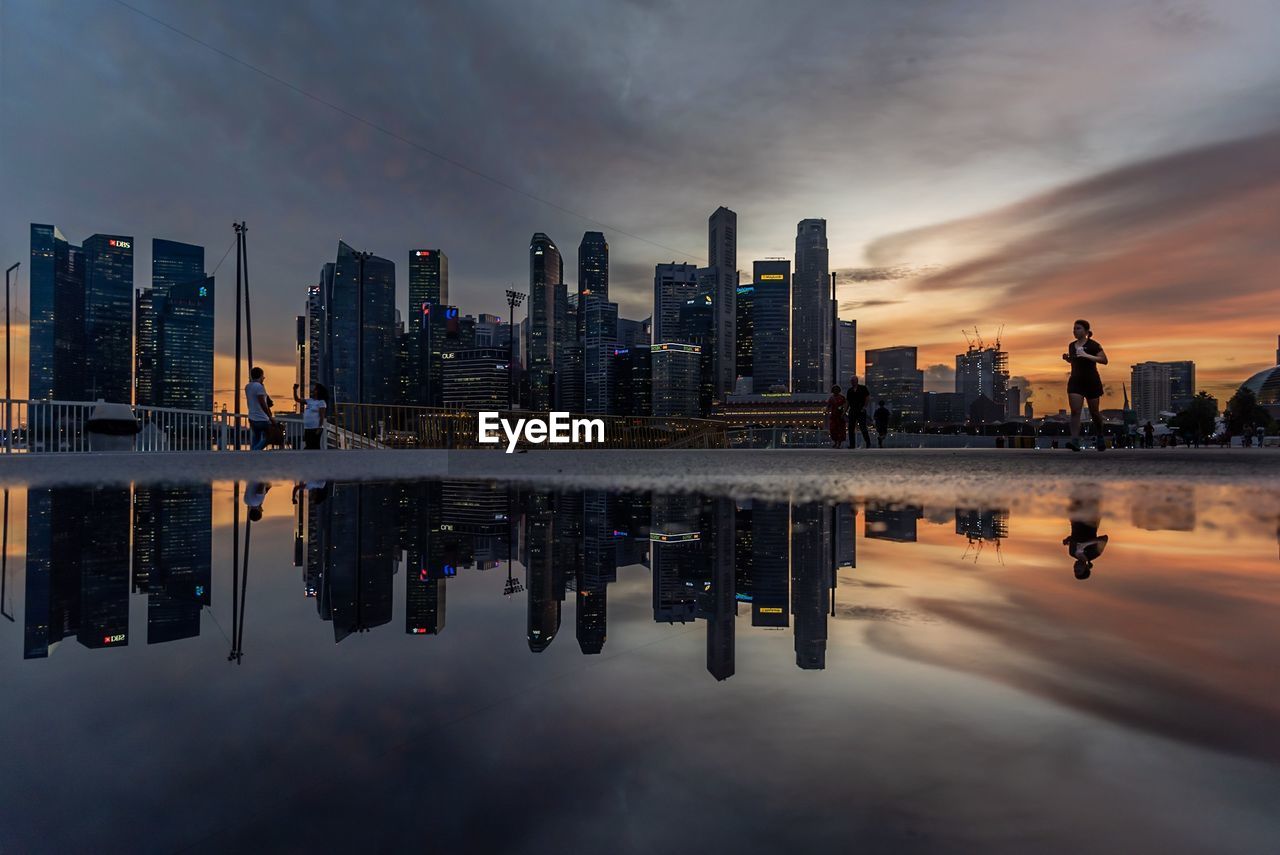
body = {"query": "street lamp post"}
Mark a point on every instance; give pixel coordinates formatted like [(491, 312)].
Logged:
[(361, 257), (8, 370), (514, 299)]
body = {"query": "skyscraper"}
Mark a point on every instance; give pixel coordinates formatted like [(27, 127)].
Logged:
[(428, 279), (1182, 384), (81, 317), (811, 310), (593, 273), (108, 318), (673, 284), (846, 351), (174, 326), (892, 377), (722, 254), (771, 319), (600, 324), (545, 273), (983, 372), (745, 334), (379, 288), (1151, 385), (677, 370)]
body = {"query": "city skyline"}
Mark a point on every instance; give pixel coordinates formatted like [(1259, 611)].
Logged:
[(1030, 217)]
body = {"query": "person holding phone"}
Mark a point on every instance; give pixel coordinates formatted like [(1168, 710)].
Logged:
[(1085, 355), (314, 410)]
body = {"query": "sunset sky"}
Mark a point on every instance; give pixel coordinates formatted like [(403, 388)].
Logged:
[(1014, 164)]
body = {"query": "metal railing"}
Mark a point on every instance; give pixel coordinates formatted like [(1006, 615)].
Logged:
[(37, 427)]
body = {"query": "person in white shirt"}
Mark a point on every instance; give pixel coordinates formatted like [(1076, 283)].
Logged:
[(314, 410), (260, 415)]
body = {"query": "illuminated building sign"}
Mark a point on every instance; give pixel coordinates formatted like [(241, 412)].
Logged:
[(681, 537), (771, 610), (113, 639), (119, 244), (742, 598), (772, 277), (451, 312), (421, 253), (419, 630), (204, 292), (682, 348)]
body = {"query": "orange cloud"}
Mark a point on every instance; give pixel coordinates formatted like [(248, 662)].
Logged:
[(1172, 258)]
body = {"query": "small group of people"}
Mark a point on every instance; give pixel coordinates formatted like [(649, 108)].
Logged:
[(842, 412), (262, 419)]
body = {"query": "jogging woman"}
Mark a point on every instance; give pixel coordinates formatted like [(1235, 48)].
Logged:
[(1085, 355)]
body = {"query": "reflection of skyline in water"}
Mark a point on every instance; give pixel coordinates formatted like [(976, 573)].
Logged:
[(976, 681), (710, 559)]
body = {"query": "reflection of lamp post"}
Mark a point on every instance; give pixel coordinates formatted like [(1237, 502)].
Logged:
[(514, 299), (8, 366), (361, 257), (513, 585)]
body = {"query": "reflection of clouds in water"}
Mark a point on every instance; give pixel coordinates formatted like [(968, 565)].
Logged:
[(883, 614)]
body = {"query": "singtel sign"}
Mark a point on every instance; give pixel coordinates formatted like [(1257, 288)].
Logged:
[(558, 429)]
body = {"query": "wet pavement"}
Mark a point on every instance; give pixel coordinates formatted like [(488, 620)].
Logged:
[(477, 666)]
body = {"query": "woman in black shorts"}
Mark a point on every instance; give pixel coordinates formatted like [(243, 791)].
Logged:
[(1085, 355)]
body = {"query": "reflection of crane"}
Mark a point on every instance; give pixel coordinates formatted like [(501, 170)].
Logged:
[(976, 544)]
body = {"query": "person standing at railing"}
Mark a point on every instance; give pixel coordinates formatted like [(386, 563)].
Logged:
[(314, 409), (259, 405)]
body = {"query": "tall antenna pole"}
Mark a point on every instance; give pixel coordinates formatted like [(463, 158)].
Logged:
[(236, 391), (835, 333), (248, 318), (8, 374)]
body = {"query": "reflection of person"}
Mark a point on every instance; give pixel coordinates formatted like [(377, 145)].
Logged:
[(835, 416), (882, 422), (859, 395), (1149, 434), (1084, 544), (255, 493), (1085, 355)]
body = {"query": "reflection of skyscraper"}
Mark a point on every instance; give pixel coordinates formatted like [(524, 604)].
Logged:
[(982, 524), (846, 535), (53, 569), (891, 521), (722, 606), (598, 568), (770, 563), (173, 558), (810, 582), (360, 564), (540, 584), (676, 536), (90, 531)]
